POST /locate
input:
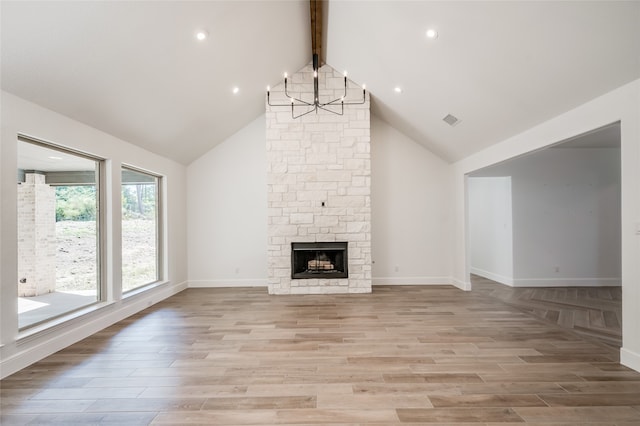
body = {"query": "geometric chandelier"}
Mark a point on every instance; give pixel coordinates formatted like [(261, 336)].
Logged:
[(335, 106), (300, 107)]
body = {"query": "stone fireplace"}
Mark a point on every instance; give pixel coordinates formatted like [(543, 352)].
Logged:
[(318, 189)]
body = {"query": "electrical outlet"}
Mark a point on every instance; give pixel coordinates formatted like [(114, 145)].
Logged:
[(397, 268), (557, 269)]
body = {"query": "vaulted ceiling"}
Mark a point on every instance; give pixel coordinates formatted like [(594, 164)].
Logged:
[(136, 71)]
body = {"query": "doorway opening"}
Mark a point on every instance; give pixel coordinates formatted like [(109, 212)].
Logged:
[(545, 232)]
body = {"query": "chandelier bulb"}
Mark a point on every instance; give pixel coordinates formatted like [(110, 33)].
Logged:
[(308, 107)]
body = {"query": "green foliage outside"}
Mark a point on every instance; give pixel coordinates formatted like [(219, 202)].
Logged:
[(139, 201), (76, 203), (139, 245), (76, 213)]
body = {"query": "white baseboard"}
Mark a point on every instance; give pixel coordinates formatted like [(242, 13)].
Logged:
[(38, 347), (250, 282), (262, 282), (548, 282), (462, 285), (630, 359), (493, 276), (411, 281), (466, 286), (567, 282)]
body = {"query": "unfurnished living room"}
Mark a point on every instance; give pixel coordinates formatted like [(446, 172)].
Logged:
[(323, 212)]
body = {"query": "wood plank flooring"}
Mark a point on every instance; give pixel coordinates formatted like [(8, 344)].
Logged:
[(594, 312), (401, 355)]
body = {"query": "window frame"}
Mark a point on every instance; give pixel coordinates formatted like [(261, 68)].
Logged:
[(101, 250)]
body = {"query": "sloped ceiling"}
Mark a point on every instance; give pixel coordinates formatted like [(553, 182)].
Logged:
[(135, 70)]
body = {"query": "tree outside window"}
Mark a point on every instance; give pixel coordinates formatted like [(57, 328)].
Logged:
[(140, 235)]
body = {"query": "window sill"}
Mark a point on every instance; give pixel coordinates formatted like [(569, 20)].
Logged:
[(143, 289), (57, 323)]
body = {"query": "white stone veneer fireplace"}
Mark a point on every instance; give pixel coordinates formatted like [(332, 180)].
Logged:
[(318, 183)]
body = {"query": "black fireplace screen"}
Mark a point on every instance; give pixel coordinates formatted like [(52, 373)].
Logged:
[(319, 260)]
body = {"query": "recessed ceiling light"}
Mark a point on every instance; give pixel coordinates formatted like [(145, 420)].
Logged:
[(431, 33), (52, 157), (202, 35), (235, 90), (398, 89)]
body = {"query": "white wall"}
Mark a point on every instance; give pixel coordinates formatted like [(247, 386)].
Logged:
[(491, 228), (410, 196), (227, 212), (19, 116), (410, 200), (622, 104), (566, 218)]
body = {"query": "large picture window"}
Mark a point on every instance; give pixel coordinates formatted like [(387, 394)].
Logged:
[(58, 232), (140, 229)]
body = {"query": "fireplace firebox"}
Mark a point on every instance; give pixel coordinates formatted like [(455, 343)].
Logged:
[(319, 260)]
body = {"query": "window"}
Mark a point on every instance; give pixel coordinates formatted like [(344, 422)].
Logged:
[(59, 242), (140, 229)]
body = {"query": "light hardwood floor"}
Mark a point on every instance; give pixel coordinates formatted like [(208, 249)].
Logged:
[(594, 312), (419, 355)]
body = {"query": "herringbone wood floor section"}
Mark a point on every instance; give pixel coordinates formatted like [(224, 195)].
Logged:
[(402, 355), (591, 311)]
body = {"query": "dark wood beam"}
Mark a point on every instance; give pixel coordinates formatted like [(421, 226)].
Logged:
[(316, 8)]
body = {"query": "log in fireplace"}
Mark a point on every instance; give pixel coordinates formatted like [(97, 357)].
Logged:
[(319, 260)]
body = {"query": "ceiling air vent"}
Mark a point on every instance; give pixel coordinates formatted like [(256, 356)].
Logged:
[(451, 120)]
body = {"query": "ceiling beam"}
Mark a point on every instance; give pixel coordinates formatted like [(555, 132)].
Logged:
[(316, 8)]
